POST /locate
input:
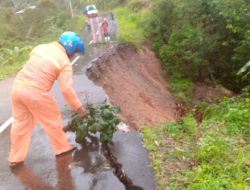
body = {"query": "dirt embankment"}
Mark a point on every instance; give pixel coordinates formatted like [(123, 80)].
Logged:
[(134, 81)]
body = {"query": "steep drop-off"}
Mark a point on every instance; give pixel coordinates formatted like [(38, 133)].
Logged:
[(134, 81)]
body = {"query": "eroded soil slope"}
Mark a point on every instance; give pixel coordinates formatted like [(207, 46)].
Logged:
[(133, 81)]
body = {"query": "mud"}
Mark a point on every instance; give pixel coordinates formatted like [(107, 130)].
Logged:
[(133, 81)]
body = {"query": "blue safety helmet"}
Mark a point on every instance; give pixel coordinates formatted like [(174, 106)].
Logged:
[(72, 42)]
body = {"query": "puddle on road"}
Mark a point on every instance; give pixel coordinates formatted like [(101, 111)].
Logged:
[(91, 158), (91, 166)]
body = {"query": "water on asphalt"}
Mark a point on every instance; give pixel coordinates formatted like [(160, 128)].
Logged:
[(86, 168)]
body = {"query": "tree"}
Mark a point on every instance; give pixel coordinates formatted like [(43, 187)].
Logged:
[(47, 4), (8, 13)]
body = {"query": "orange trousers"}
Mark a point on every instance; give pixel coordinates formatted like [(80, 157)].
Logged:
[(30, 105)]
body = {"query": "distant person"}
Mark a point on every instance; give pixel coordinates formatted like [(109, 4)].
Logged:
[(85, 10), (105, 30), (87, 23), (69, 14), (32, 101), (112, 15)]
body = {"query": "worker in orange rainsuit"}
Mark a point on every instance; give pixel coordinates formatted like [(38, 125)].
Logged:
[(32, 100), (105, 30)]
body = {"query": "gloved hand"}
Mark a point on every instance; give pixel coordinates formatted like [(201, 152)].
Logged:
[(82, 112)]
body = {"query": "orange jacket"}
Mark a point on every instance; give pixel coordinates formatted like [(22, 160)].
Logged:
[(47, 63)]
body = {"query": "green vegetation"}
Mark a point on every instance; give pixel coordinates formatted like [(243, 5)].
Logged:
[(204, 41), (100, 119), (223, 149), (20, 32), (200, 40), (12, 60), (195, 40), (101, 5), (129, 32), (181, 89)]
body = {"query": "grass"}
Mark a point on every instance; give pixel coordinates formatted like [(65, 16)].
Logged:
[(76, 24), (180, 88), (9, 70), (129, 32), (223, 145), (12, 60), (223, 156)]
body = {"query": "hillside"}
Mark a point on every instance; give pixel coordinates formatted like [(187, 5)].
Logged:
[(133, 80)]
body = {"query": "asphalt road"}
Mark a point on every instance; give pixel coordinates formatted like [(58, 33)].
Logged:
[(87, 167)]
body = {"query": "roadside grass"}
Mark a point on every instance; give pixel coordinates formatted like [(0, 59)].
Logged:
[(223, 145), (9, 70), (12, 60), (128, 30), (76, 24), (223, 149)]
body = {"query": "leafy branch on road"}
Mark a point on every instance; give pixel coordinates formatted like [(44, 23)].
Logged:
[(100, 118)]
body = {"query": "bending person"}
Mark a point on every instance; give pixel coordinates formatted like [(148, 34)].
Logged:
[(32, 100)]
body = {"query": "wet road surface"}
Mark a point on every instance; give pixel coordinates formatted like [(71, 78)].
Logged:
[(86, 168)]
